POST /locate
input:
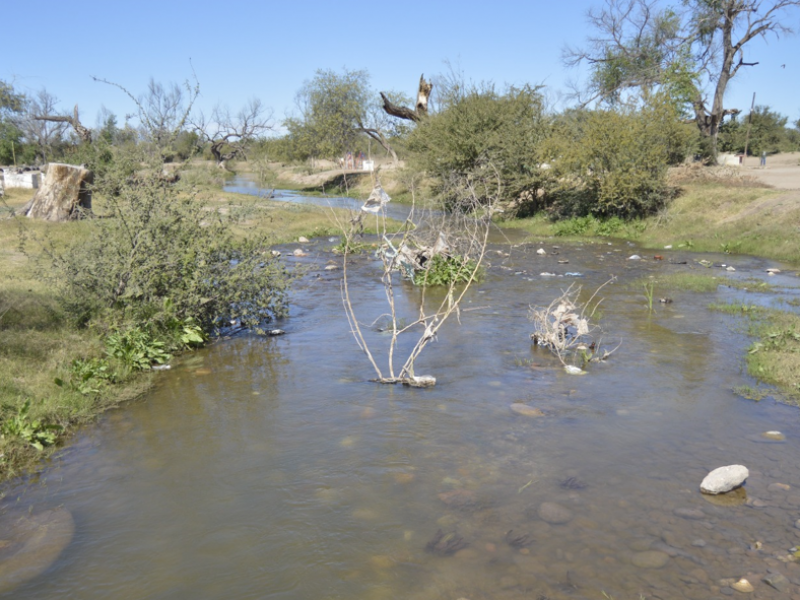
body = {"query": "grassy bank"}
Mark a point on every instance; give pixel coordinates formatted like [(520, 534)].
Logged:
[(773, 358), (56, 375), (708, 216)]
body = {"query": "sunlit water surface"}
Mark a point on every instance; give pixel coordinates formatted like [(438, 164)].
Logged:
[(273, 467)]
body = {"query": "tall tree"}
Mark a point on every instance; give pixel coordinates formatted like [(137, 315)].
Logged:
[(693, 52), (336, 110)]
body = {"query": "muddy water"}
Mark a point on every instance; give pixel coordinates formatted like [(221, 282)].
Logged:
[(272, 468)]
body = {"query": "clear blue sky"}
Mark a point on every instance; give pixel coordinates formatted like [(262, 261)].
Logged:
[(267, 49)]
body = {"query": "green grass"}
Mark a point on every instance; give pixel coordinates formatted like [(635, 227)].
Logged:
[(774, 358), (733, 308)]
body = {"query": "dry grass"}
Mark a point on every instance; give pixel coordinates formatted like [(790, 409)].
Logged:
[(727, 175)]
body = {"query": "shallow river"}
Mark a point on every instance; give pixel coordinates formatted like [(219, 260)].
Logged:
[(273, 468)]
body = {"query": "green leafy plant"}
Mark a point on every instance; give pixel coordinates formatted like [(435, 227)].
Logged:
[(573, 227), (444, 270), (137, 348), (33, 431), (730, 247), (87, 376), (777, 340)]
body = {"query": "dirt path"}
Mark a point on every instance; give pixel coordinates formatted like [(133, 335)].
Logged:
[(782, 170)]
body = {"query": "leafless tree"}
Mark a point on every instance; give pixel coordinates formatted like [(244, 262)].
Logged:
[(229, 133), (163, 111)]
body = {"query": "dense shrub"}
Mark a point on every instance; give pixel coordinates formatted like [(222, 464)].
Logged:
[(482, 135), (160, 257), (614, 162)]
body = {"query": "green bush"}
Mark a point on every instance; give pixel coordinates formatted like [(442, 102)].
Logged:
[(160, 255), (482, 136), (613, 163)]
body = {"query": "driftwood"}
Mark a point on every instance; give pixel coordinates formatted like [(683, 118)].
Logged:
[(84, 133), (64, 195), (420, 109)]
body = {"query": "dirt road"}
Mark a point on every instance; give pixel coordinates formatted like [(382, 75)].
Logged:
[(782, 170)]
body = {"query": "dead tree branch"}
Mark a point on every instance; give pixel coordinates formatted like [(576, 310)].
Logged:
[(420, 109), (84, 133)]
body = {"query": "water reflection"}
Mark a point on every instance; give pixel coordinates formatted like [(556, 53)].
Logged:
[(271, 467)]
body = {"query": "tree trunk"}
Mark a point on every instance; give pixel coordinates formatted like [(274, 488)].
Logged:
[(64, 195)]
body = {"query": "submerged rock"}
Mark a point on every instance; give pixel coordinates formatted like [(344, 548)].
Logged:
[(553, 513), (461, 499), (689, 513), (518, 540), (724, 479), (778, 581), (650, 559), (446, 544), (526, 411), (33, 544)]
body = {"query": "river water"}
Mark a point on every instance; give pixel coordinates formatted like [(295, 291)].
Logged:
[(273, 468)]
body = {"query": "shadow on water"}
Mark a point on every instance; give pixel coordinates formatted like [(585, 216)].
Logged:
[(271, 467)]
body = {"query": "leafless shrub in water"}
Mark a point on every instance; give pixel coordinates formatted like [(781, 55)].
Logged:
[(460, 234), (564, 326)]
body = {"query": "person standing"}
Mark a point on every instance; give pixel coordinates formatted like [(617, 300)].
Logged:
[(764, 158)]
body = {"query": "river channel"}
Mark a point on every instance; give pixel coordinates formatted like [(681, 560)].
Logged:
[(271, 467)]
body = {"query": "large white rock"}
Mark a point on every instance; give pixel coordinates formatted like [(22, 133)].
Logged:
[(724, 479)]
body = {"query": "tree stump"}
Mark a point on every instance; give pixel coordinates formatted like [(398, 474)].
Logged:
[(64, 195)]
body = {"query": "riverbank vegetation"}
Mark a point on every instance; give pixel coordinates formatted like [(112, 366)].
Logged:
[(88, 307)]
